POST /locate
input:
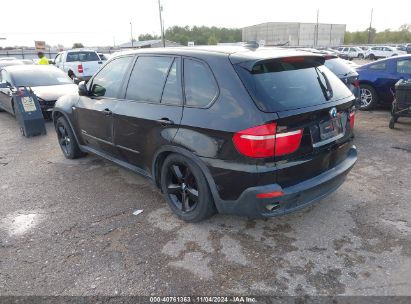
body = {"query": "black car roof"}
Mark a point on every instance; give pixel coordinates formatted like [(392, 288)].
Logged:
[(29, 67), (236, 53)]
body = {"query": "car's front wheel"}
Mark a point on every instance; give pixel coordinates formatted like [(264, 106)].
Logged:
[(368, 97), (67, 140), (186, 189)]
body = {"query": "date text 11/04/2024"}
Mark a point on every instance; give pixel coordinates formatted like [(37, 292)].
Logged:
[(203, 299)]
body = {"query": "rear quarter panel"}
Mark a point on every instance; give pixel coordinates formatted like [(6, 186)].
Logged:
[(208, 132)]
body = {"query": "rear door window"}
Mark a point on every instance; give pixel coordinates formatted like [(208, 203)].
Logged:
[(200, 86), (172, 93), (378, 66), (148, 78), (279, 84), (404, 66)]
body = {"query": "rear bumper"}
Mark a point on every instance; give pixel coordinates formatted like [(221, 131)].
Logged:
[(295, 197)]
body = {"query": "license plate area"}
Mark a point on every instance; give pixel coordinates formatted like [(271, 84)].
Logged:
[(325, 132), (331, 128)]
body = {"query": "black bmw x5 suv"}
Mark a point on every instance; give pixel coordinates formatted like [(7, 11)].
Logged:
[(255, 132)]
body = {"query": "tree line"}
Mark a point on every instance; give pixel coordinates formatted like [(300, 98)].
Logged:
[(402, 35), (200, 35)]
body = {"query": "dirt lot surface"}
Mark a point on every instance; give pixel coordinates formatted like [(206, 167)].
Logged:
[(67, 228)]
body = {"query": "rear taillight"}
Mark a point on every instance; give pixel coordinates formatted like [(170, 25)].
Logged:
[(352, 119), (264, 141), (80, 68), (356, 83), (270, 194)]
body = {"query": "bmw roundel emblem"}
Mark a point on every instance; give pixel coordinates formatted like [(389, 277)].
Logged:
[(333, 112)]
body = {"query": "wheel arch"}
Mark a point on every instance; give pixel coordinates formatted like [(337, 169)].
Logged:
[(162, 154), (369, 83), (57, 113)]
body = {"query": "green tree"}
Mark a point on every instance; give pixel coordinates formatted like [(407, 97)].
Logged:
[(402, 35), (77, 45), (201, 35), (212, 40), (144, 37)]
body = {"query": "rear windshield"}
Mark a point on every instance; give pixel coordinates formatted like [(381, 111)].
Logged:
[(82, 56), (339, 67), (278, 85), (38, 78)]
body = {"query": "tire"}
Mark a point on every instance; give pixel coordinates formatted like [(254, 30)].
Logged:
[(368, 97), (47, 115), (361, 56), (67, 140), (372, 56), (186, 189)]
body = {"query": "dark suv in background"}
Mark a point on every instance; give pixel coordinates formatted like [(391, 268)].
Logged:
[(256, 132)]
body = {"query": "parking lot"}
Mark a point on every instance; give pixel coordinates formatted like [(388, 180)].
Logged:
[(67, 228)]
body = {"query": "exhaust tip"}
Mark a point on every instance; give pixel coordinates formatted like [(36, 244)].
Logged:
[(272, 206)]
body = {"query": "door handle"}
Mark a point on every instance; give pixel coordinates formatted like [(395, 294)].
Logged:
[(107, 112), (165, 121)]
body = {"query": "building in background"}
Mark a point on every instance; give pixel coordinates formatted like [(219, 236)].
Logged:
[(296, 34)]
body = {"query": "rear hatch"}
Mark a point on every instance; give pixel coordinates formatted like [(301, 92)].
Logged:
[(311, 112)]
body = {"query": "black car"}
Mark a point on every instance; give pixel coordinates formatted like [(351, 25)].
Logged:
[(47, 82), (256, 132), (347, 74)]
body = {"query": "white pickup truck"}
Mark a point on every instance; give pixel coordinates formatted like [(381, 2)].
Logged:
[(79, 64)]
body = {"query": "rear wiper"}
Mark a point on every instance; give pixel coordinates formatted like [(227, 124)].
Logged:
[(326, 89)]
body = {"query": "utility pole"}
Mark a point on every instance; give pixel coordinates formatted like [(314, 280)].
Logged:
[(131, 33), (316, 29), (160, 9), (369, 29)]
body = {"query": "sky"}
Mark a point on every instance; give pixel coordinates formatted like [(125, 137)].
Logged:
[(107, 23)]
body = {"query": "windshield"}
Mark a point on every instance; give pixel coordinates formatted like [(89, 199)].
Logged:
[(339, 67), (38, 78), (279, 86)]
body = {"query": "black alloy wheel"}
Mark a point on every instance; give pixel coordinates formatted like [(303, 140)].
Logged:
[(66, 139), (182, 187), (186, 189)]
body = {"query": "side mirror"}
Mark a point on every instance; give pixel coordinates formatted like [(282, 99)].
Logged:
[(82, 89)]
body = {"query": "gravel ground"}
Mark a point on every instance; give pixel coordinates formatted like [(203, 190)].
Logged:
[(67, 228)]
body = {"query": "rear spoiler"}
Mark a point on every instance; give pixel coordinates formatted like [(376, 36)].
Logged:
[(310, 60)]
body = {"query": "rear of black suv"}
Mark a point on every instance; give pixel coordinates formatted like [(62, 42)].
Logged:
[(298, 147)]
